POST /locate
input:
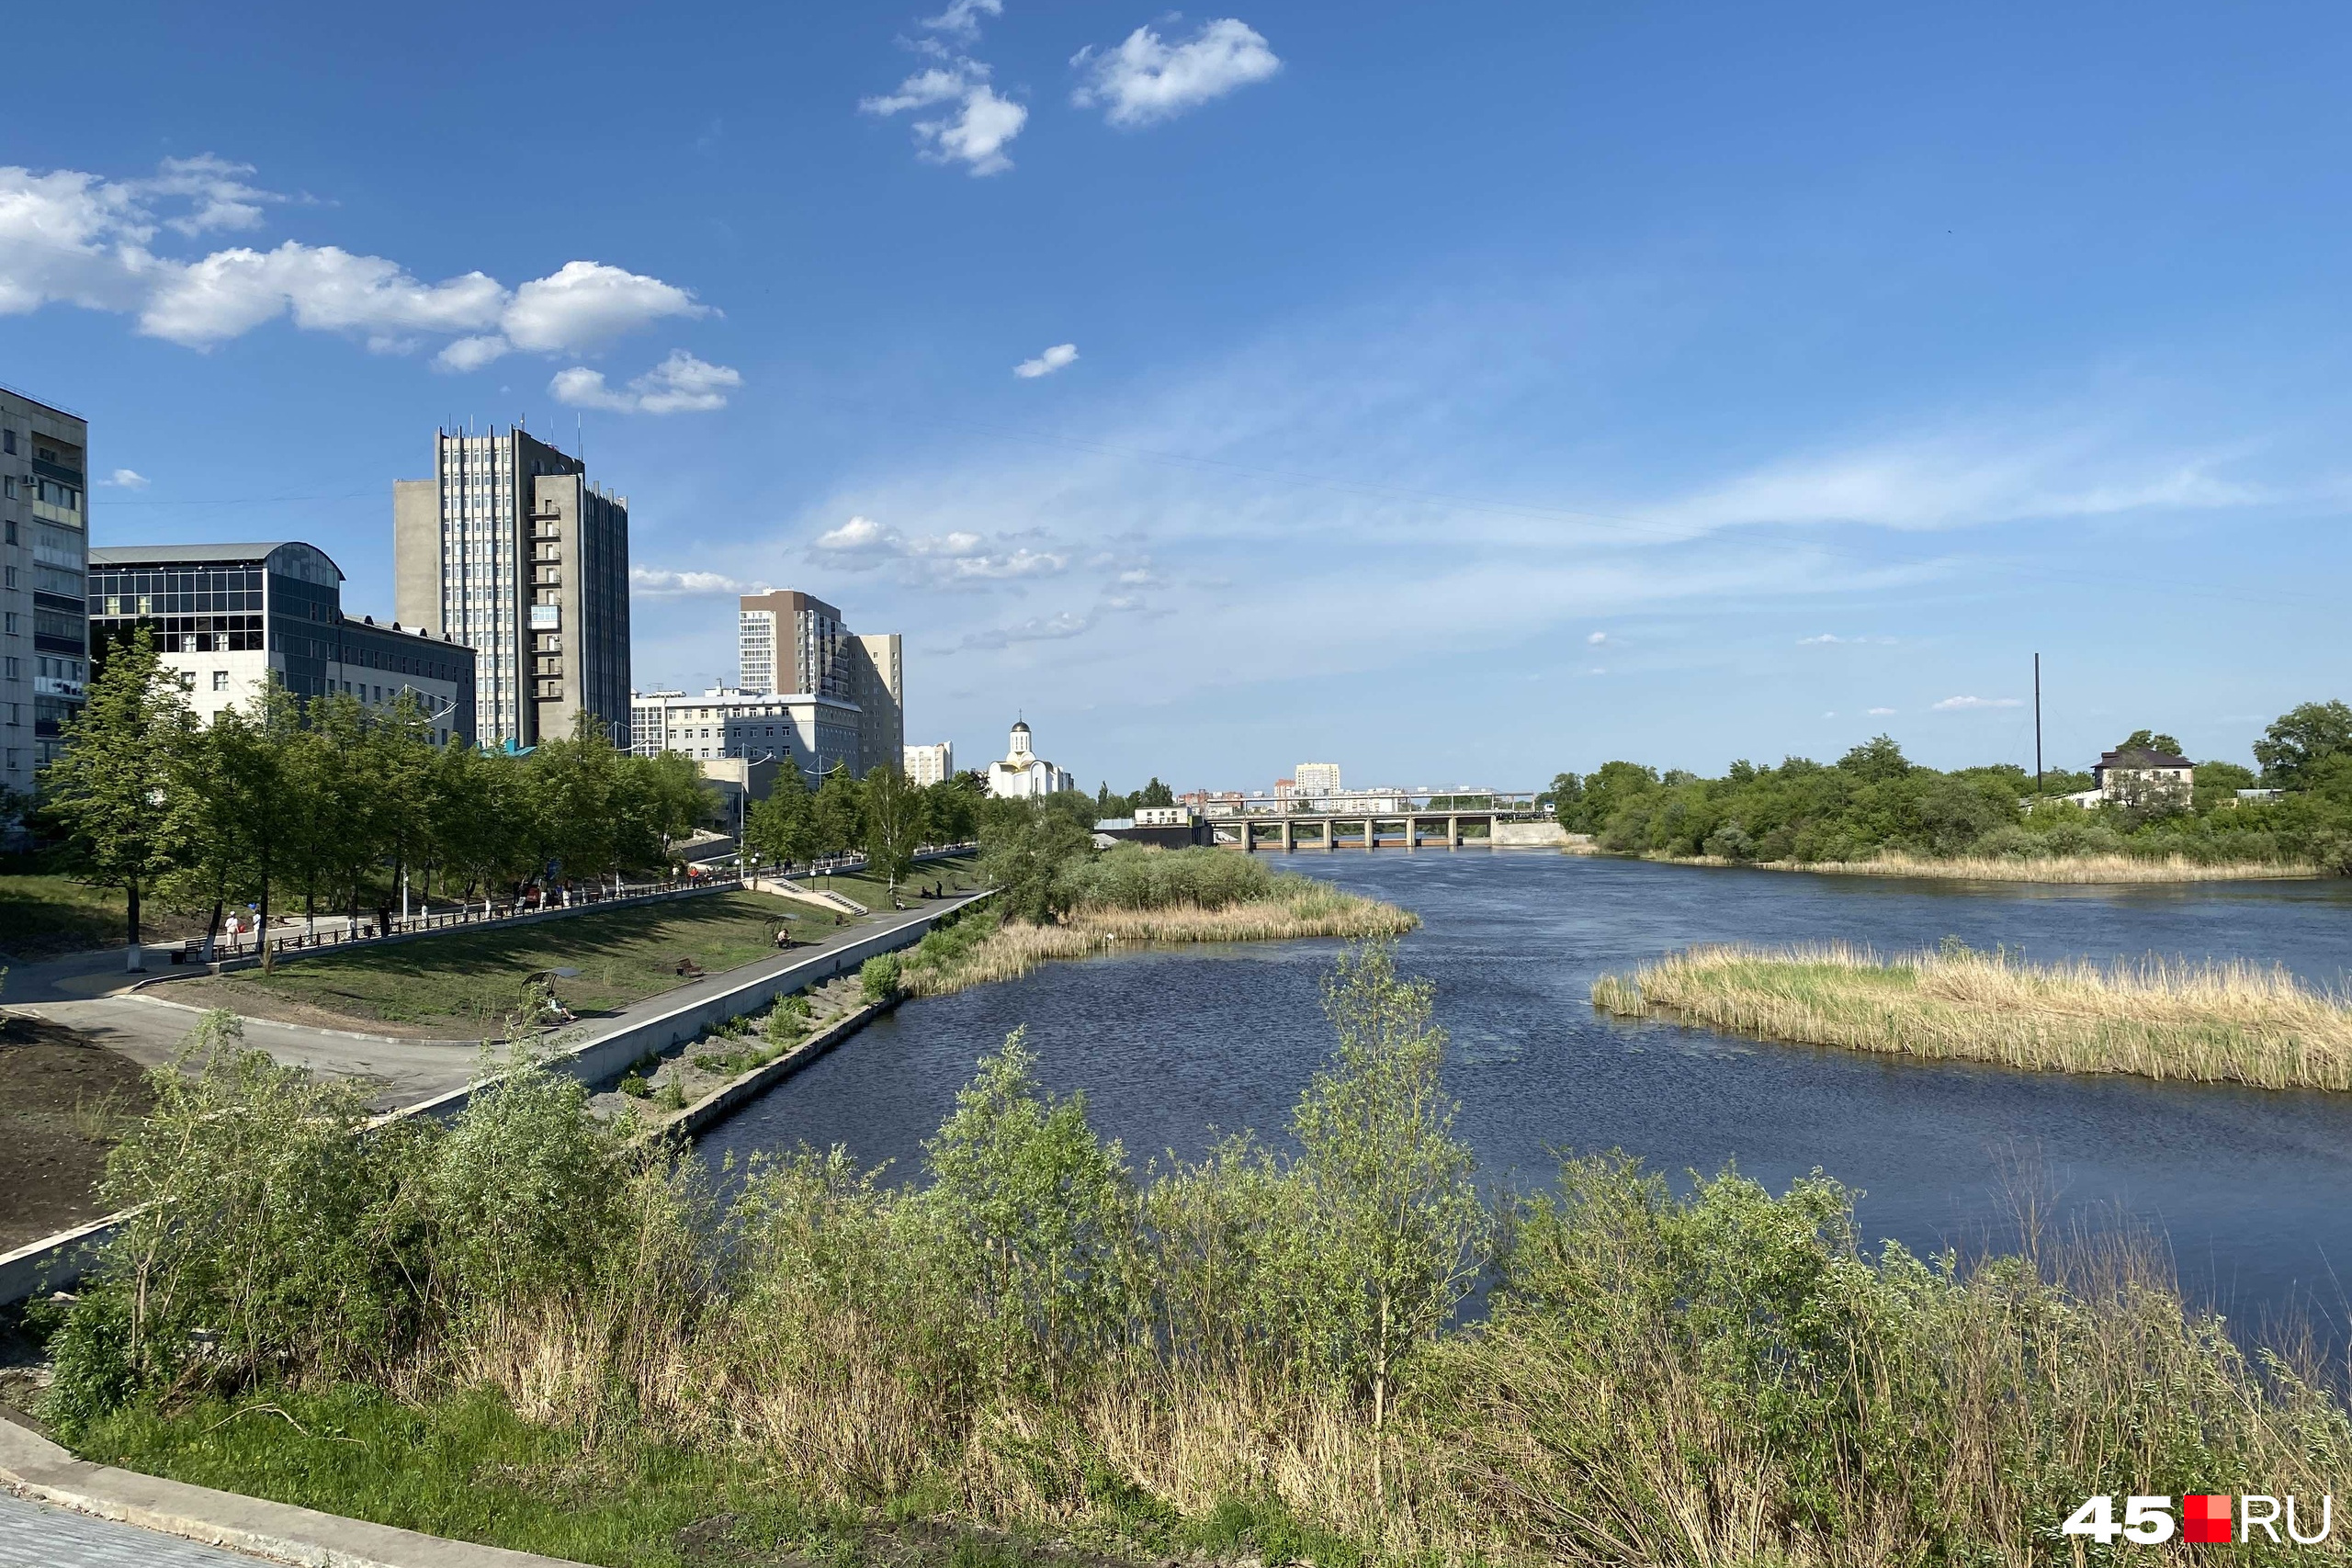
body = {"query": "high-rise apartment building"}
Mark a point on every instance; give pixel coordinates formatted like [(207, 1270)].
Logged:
[(44, 560), (793, 643), (229, 618), (511, 550), (1314, 779), (928, 764)]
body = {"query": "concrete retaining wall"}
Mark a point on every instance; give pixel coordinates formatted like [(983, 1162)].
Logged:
[(56, 1261), (1529, 835)]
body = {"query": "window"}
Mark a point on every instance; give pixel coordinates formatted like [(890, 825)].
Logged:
[(219, 680), (12, 626), (8, 444)]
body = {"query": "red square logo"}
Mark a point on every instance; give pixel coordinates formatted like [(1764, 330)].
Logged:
[(2205, 1517)]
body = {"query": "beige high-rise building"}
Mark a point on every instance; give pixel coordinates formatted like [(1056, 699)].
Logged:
[(44, 595), (794, 644), (510, 549)]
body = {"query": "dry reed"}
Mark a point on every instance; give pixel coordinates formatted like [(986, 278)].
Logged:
[(2204, 1023), (2064, 870), (1290, 914)]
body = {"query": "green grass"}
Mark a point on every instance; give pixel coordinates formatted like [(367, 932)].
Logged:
[(468, 1468), (476, 977), (46, 915)]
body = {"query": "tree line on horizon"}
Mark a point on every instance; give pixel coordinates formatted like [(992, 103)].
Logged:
[(1875, 800)]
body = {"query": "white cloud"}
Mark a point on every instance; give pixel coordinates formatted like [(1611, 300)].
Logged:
[(472, 353), (1044, 629), (979, 131), (1046, 364), (1952, 705), (654, 582), (68, 237), (957, 556), (1598, 638), (1880, 713), (126, 479), (1832, 638), (582, 305), (962, 17), (680, 384), (1145, 80)]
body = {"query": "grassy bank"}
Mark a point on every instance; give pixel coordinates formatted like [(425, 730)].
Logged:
[(525, 1328), (2206, 1023), (2083, 870), (42, 917), (981, 947), (467, 983)]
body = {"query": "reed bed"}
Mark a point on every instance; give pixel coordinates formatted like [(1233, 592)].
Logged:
[(1296, 909), (2063, 870), (2201, 1022)]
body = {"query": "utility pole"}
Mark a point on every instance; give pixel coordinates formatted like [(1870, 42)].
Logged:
[(2037, 726)]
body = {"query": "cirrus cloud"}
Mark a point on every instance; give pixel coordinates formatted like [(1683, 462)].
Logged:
[(1954, 704)]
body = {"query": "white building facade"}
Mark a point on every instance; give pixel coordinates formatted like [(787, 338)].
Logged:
[(928, 764), (817, 734), (1024, 775)]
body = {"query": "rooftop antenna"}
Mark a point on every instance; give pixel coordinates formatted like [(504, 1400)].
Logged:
[(2037, 726)]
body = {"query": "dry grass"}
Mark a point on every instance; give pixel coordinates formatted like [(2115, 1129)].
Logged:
[(2206, 1023), (1293, 914), (2070, 870)]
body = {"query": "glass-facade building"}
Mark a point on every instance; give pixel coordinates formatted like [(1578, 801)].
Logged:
[(231, 618)]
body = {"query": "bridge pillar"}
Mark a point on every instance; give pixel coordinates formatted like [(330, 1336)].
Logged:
[(1371, 834), (1327, 826), (1454, 833), (1289, 839), (1249, 837)]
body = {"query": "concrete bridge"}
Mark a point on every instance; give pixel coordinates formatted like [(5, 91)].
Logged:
[(1398, 822)]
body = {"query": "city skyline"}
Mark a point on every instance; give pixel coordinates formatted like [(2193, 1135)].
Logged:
[(1696, 387)]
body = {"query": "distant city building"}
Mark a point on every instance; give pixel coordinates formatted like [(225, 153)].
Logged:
[(1316, 779), (45, 635), (1023, 774), (1163, 815), (928, 764), (793, 642), (511, 550), (227, 617), (818, 734)]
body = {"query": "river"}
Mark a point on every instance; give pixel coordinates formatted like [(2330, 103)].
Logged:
[(2247, 1187)]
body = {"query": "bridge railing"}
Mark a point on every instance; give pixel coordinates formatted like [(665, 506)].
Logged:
[(1506, 804)]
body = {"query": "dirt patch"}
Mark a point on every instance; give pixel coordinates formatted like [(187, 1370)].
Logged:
[(64, 1100), (255, 1002)]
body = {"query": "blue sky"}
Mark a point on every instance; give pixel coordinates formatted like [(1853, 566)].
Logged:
[(1458, 394)]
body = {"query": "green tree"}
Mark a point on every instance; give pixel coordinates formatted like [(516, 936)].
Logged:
[(1395, 1232), (894, 823), (246, 759), (1565, 798), (1032, 851), (2299, 739), (114, 786), (2150, 741), (838, 815), (1876, 760), (952, 806), (400, 758), (783, 827), (1155, 794)]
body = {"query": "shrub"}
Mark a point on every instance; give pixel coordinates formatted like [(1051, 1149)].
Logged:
[(877, 979), (635, 1087)]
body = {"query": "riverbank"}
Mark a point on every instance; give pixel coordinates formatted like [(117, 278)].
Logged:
[(2080, 871), (2204, 1023), (981, 949)]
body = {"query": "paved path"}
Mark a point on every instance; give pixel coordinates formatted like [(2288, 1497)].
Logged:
[(34, 1535), (146, 1026)]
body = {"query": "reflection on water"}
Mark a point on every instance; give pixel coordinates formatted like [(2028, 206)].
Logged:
[(2245, 1186)]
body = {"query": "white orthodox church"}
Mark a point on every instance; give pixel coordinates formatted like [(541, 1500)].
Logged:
[(1024, 775)]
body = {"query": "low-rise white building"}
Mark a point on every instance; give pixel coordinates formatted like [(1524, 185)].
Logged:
[(1024, 775), (817, 733)]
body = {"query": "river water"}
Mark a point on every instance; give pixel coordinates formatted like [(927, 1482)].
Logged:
[(2250, 1190)]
